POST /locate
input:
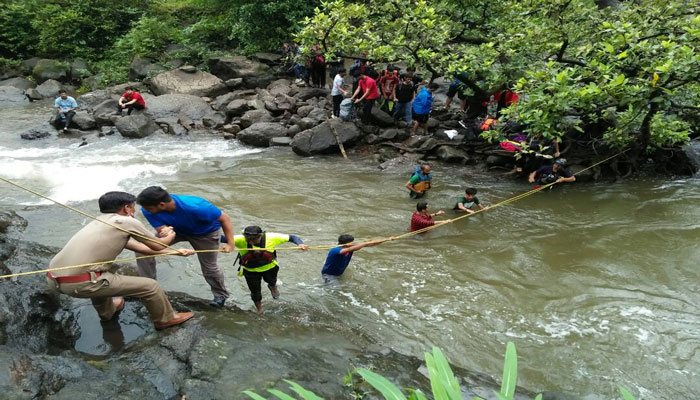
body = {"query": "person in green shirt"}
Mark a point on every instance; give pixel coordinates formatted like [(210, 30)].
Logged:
[(420, 181), (469, 200)]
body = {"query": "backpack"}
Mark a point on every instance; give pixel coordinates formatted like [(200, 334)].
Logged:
[(346, 111)]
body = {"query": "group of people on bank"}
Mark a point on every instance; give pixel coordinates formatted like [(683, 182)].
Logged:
[(66, 106)]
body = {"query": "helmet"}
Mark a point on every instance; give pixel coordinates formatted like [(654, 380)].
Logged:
[(561, 162), (252, 231)]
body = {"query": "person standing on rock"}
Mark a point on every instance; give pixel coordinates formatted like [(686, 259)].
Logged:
[(65, 109), (370, 91), (97, 242), (261, 263), (421, 108), (130, 100), (195, 220), (338, 93)]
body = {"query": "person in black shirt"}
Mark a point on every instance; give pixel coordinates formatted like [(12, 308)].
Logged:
[(405, 92), (547, 174)]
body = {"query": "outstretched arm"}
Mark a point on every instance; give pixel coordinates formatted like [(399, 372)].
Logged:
[(297, 241), (359, 246), (139, 247)]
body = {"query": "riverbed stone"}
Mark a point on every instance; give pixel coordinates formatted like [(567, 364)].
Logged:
[(498, 161), (309, 93), (259, 134), (84, 120), (321, 138), (177, 105), (46, 69), (19, 83), (380, 118), (214, 120), (135, 126), (104, 112), (692, 152), (199, 83), (49, 88), (253, 116), (452, 155), (33, 94), (38, 132), (237, 107), (281, 141), (142, 67), (90, 100), (11, 96), (171, 126)]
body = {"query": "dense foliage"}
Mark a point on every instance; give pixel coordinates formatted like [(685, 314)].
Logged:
[(626, 73)]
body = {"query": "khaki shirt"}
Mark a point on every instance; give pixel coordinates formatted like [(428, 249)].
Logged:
[(97, 242)]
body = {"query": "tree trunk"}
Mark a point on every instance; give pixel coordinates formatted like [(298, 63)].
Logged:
[(645, 129)]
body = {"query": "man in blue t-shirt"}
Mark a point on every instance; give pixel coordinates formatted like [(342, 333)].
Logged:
[(339, 257), (194, 220), (65, 109)]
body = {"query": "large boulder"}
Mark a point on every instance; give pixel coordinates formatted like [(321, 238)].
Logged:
[(38, 132), (236, 108), (254, 73), (90, 100), (49, 88), (11, 96), (28, 65), (142, 68), (322, 138), (253, 116), (46, 69), (280, 104), (260, 133), (452, 155), (280, 86), (380, 118), (196, 83), (268, 58), (177, 105), (692, 152), (33, 94), (310, 93), (84, 120), (172, 126), (135, 126), (104, 111), (19, 83), (79, 69)]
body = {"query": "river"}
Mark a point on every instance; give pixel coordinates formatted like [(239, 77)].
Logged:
[(596, 284)]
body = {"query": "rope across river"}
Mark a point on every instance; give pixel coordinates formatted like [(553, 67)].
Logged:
[(319, 247)]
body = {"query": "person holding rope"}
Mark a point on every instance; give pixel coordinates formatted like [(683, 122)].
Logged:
[(339, 257), (261, 263), (194, 220), (101, 240), (422, 218), (547, 174), (420, 181)]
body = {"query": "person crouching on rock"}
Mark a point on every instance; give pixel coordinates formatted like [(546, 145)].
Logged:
[(261, 263), (101, 240), (130, 99)]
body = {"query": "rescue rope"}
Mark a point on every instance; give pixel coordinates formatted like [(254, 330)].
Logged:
[(319, 247)]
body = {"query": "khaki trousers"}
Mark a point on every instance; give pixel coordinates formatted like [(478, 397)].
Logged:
[(108, 285), (207, 261)]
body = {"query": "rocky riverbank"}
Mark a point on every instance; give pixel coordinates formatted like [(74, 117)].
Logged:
[(252, 100)]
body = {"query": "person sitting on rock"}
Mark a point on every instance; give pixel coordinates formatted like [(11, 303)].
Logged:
[(547, 174), (420, 181), (101, 240), (261, 264), (469, 200), (130, 100), (65, 109), (422, 218)]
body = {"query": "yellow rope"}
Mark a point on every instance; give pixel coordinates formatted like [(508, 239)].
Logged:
[(320, 247), (87, 215)]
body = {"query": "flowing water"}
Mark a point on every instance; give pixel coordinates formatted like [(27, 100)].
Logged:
[(597, 284)]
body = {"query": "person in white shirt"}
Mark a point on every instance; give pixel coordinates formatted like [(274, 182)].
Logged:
[(338, 92)]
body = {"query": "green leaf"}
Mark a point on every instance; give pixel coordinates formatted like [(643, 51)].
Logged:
[(281, 395), (383, 386), (625, 394), (306, 394), (538, 397), (622, 55), (417, 395), (254, 395), (510, 371), (442, 379), (609, 48)]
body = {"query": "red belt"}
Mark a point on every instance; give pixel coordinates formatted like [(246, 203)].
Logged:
[(73, 278)]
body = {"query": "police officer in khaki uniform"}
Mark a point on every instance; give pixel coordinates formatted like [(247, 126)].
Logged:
[(98, 241)]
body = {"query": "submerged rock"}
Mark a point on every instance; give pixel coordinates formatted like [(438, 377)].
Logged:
[(260, 133), (135, 126), (321, 139)]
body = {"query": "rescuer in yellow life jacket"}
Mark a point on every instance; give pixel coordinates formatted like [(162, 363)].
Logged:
[(261, 264)]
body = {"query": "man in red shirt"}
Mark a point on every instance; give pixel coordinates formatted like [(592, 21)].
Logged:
[(130, 100), (370, 93), (422, 218)]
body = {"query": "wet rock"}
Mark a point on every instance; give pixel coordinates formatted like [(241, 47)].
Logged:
[(231, 128), (253, 116), (303, 111), (104, 111), (90, 100), (49, 89), (318, 115), (171, 126), (253, 73), (498, 161), (233, 83), (394, 134), (280, 104), (190, 69), (79, 69), (33, 94), (83, 120), (451, 155), (46, 69), (38, 132), (177, 105), (428, 145), (142, 68), (259, 134), (197, 83), (414, 141), (135, 126), (237, 107), (280, 86), (267, 58), (292, 130), (306, 123), (107, 131), (433, 123), (309, 93), (321, 139), (12, 97), (588, 175), (19, 83), (372, 139), (404, 162), (380, 118), (215, 120), (281, 141), (692, 152)]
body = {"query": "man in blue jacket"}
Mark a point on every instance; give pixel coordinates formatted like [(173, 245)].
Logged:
[(421, 108), (194, 220)]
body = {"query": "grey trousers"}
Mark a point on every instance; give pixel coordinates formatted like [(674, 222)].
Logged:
[(210, 269)]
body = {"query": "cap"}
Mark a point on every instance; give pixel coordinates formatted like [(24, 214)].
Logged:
[(252, 230), (561, 162)]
